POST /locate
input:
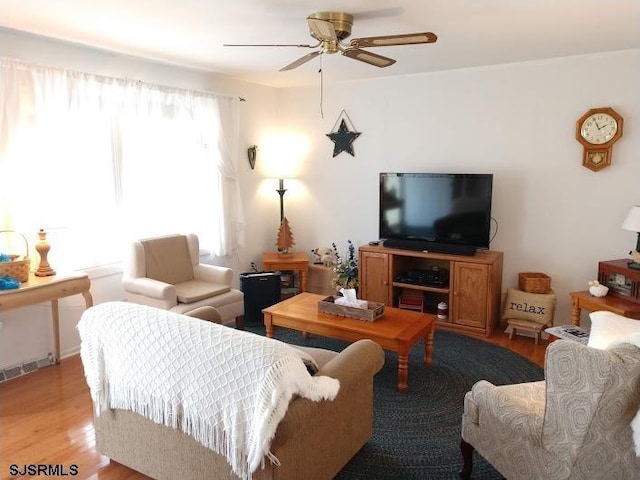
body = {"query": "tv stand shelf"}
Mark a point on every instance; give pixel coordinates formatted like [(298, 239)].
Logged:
[(473, 293), (421, 287)]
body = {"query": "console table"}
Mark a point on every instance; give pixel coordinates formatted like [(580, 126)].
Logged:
[(296, 261), (584, 299), (43, 289)]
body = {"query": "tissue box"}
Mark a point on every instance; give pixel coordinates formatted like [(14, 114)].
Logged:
[(374, 311)]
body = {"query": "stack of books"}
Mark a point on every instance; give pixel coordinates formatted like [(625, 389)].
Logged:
[(411, 300)]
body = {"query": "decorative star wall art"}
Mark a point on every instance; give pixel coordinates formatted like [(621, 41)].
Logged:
[(343, 138)]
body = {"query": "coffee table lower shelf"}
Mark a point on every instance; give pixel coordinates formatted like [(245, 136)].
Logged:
[(397, 330)]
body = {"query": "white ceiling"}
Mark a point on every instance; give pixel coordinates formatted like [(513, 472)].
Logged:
[(191, 33)]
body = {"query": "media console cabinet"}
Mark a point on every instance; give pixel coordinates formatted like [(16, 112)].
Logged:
[(473, 293)]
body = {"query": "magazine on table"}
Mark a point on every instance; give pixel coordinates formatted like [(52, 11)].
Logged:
[(570, 332)]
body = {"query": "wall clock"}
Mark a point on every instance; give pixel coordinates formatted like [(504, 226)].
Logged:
[(597, 130)]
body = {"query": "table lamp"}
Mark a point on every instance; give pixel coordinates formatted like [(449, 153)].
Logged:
[(285, 235), (43, 247), (281, 158), (632, 223), (281, 190)]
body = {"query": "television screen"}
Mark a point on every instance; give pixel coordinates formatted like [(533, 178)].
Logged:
[(440, 208)]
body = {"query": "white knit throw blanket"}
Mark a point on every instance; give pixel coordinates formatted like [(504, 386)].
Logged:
[(226, 388)]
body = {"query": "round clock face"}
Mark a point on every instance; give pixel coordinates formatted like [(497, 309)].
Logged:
[(599, 128)]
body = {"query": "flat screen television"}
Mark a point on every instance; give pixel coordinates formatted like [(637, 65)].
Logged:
[(439, 212)]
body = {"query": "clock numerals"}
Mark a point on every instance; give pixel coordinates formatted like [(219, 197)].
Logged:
[(599, 128)]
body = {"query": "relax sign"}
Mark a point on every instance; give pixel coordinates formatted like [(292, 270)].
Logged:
[(536, 307), (525, 307)]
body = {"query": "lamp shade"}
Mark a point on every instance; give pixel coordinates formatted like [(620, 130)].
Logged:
[(282, 154), (632, 222)]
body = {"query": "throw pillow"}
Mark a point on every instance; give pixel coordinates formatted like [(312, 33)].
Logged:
[(609, 327), (635, 427), (536, 307), (309, 362)]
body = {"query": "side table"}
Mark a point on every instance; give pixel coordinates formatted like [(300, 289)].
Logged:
[(52, 288), (584, 299), (296, 261)]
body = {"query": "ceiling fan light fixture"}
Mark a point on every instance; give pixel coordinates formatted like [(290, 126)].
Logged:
[(331, 28)]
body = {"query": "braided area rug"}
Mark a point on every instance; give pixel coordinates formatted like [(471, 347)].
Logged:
[(416, 435)]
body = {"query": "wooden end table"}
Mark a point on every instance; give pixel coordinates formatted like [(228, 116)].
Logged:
[(296, 261), (397, 330), (52, 288), (584, 299)]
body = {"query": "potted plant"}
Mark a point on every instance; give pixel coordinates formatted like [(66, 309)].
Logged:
[(346, 268)]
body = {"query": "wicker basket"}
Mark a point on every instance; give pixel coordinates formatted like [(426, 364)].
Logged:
[(18, 269), (534, 282)]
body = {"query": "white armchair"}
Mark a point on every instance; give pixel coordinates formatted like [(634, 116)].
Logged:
[(165, 272)]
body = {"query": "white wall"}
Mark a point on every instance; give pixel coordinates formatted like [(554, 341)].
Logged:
[(516, 121)]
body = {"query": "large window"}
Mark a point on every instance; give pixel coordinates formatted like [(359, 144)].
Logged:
[(99, 162)]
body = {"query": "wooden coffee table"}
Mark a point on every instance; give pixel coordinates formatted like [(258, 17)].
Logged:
[(397, 331)]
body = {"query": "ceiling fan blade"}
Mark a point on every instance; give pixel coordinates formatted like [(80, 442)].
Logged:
[(301, 60), (267, 45), (368, 57), (379, 13), (389, 40), (322, 30)]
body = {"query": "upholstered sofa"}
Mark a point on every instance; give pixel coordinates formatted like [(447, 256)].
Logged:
[(314, 439), (576, 424)]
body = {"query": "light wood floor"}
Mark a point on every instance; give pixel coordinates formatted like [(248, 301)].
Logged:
[(46, 418)]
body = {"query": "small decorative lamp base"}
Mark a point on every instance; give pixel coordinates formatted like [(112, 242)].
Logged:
[(43, 247)]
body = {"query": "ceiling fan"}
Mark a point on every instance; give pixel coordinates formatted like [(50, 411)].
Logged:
[(331, 28)]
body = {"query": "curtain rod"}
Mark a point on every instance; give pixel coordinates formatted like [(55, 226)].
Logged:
[(121, 79)]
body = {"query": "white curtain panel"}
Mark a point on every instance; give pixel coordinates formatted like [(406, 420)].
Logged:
[(104, 160)]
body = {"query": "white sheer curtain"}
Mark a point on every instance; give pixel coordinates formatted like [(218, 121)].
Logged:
[(102, 161), (231, 231)]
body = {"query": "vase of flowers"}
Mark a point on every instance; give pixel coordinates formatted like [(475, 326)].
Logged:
[(346, 268)]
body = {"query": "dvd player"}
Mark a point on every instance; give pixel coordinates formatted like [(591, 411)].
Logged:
[(435, 277)]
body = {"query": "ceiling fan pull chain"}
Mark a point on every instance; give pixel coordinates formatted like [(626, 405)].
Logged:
[(321, 88)]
